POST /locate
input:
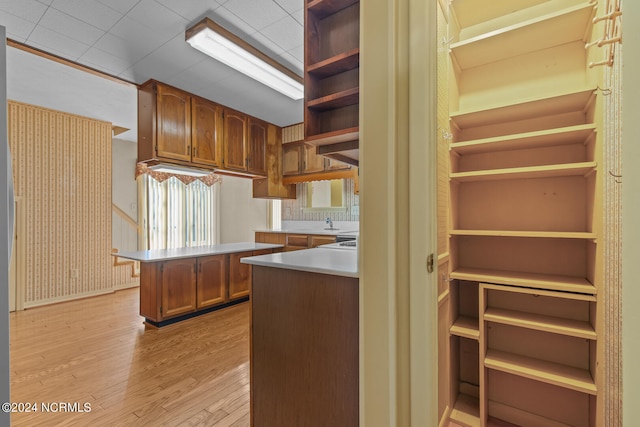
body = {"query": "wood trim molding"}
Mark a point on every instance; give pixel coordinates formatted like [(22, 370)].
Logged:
[(50, 56)]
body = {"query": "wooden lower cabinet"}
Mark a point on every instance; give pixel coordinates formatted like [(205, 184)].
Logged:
[(240, 274), (181, 287), (294, 242), (212, 279), (178, 283)]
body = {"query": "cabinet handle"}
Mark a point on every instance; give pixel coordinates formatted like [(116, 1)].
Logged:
[(188, 148), (195, 151)]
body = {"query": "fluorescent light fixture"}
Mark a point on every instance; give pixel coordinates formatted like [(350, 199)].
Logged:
[(178, 170), (224, 46)]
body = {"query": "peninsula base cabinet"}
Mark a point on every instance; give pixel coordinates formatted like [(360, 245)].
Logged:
[(183, 287)]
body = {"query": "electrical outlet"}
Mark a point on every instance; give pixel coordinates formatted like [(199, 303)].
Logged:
[(355, 210)]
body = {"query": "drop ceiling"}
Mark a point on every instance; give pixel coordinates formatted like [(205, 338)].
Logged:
[(136, 40)]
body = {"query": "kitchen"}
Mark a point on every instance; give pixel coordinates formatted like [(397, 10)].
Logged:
[(383, 240)]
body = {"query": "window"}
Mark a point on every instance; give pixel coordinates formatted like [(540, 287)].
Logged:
[(177, 215)]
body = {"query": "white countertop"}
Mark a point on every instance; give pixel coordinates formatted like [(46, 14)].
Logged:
[(318, 260), (319, 231), (168, 254)]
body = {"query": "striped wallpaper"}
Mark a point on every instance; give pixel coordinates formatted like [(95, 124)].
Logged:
[(62, 172)]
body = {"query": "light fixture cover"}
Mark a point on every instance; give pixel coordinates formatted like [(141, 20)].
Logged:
[(178, 170), (222, 45)]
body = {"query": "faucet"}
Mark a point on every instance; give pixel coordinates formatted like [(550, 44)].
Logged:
[(329, 221)]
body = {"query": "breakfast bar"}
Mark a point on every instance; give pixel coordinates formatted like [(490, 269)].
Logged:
[(176, 284), (304, 338)]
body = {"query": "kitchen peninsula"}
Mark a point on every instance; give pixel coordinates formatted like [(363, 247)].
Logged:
[(176, 284), (304, 337)]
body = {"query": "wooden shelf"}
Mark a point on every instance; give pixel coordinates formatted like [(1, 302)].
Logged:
[(466, 411), (521, 141), (548, 171), (466, 327), (568, 25), (537, 234), (324, 8), (528, 280), (334, 137), (556, 325), (340, 63), (335, 100), (540, 370), (523, 109)]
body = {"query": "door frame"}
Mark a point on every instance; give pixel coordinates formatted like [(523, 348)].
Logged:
[(398, 297), (17, 263)]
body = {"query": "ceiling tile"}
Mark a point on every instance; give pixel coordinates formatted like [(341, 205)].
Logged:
[(47, 2), (155, 16), (298, 15), (69, 26), (290, 5), (257, 13), (265, 45), (132, 32), (298, 53), (168, 60), (122, 6), (192, 10), (121, 48), (17, 28), (291, 62), (104, 61), (231, 22), (90, 11), (29, 10), (287, 33), (67, 47), (200, 75)]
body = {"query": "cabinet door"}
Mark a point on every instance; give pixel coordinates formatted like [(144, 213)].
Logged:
[(206, 132), (212, 280), (336, 165), (239, 275), (178, 287), (257, 147), (173, 124), (312, 162), (321, 240), (235, 140), (291, 159)]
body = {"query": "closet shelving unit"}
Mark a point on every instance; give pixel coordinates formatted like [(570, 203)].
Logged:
[(332, 90), (525, 214)]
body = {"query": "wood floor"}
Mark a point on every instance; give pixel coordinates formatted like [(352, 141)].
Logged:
[(97, 351)]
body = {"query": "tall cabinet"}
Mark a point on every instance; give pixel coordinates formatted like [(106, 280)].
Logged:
[(332, 85), (523, 317)]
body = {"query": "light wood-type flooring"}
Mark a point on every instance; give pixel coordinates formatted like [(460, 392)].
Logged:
[(97, 351)]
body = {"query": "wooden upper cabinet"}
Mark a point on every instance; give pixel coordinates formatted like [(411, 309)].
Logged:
[(311, 161), (212, 280), (235, 140), (178, 287), (206, 132), (173, 124), (291, 159), (257, 147)]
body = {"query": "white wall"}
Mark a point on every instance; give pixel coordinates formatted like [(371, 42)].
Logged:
[(240, 213), (125, 194), (35, 80), (630, 215)]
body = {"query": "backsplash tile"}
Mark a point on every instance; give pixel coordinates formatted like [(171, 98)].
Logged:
[(292, 209)]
